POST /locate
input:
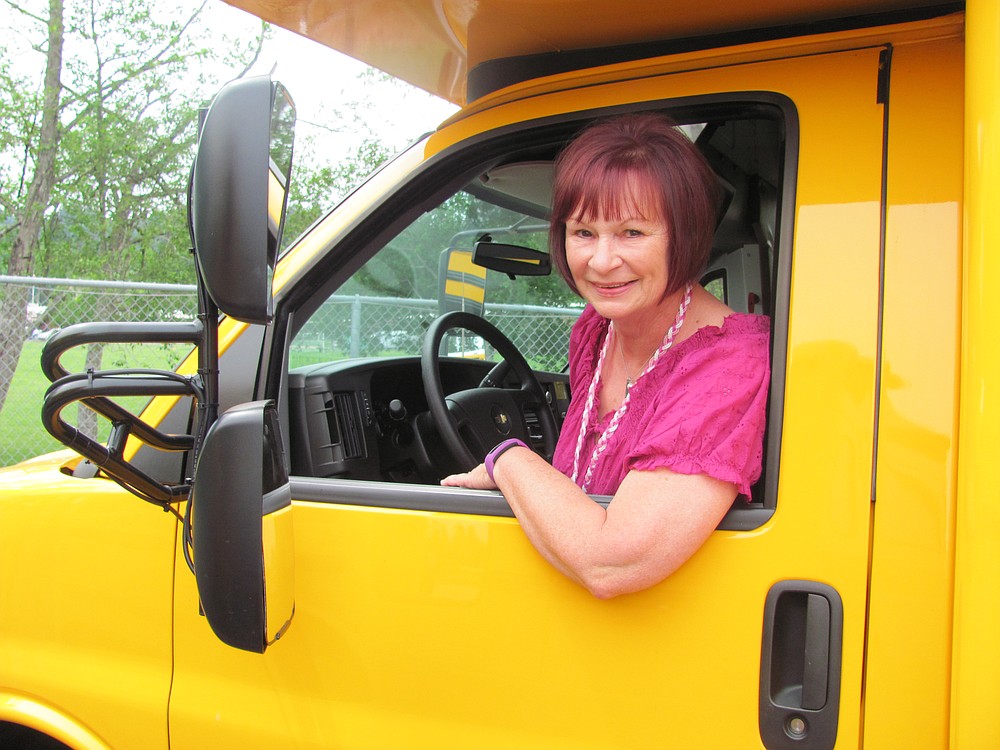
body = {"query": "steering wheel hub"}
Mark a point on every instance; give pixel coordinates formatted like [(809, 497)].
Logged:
[(471, 422)]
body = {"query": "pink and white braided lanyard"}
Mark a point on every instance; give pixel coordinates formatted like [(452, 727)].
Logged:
[(602, 441)]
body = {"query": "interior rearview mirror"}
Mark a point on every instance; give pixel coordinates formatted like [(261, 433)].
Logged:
[(513, 260)]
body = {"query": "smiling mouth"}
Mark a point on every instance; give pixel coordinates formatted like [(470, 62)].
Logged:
[(613, 286)]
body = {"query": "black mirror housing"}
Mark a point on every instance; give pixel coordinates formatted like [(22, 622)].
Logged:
[(242, 529), (239, 192), (513, 260)]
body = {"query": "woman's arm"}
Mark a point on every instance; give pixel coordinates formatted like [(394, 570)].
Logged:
[(654, 523)]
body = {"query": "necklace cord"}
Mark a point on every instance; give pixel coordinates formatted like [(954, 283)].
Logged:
[(604, 439)]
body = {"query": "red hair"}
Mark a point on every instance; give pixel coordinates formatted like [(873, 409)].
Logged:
[(642, 163)]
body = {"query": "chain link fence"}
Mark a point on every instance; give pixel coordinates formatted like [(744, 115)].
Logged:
[(362, 326), (48, 305), (345, 326)]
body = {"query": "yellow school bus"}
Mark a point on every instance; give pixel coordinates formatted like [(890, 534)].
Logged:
[(264, 557)]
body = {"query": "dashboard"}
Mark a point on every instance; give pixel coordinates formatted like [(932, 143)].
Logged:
[(369, 419)]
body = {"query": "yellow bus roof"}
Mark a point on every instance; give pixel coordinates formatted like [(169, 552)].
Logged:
[(451, 48)]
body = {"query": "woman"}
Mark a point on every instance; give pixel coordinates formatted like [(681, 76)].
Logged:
[(669, 384)]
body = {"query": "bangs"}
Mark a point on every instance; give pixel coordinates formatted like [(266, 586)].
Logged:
[(616, 194)]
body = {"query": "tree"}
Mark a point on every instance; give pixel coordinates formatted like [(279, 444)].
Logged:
[(318, 184), (100, 179), (130, 129), (28, 225)]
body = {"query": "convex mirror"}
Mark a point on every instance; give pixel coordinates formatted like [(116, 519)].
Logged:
[(242, 529), (239, 193)]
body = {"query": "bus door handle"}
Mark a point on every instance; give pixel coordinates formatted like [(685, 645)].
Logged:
[(799, 692)]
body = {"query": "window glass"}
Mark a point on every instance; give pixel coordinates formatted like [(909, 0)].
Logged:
[(715, 284), (384, 309)]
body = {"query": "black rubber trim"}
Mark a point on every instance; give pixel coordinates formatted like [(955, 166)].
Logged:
[(423, 497), (494, 75)]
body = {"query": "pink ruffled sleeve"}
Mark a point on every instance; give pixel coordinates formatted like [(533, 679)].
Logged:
[(708, 411)]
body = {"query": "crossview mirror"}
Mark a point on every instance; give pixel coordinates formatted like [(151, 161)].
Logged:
[(242, 529), (239, 192)]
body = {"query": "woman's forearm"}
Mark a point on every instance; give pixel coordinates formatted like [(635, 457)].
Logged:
[(555, 514), (655, 522)]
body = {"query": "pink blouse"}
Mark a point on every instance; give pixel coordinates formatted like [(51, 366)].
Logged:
[(701, 410)]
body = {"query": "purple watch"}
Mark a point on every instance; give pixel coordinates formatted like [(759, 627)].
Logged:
[(493, 455)]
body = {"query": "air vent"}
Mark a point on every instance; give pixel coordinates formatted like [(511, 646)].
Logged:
[(534, 428), (350, 432)]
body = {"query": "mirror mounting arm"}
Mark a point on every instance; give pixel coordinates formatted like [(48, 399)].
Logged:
[(83, 334), (237, 196), (208, 365), (94, 388)]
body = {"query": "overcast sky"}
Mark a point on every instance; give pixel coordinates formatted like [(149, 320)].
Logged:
[(322, 82)]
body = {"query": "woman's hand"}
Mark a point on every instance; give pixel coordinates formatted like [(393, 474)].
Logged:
[(477, 479)]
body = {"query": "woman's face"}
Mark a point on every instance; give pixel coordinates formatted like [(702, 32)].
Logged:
[(619, 264)]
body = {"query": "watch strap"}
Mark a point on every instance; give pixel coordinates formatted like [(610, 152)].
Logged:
[(499, 450)]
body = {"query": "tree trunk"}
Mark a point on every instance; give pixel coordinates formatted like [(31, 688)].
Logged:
[(22, 256)]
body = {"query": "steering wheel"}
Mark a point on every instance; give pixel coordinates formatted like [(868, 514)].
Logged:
[(471, 422)]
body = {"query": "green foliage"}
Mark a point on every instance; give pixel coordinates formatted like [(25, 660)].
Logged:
[(134, 76), (317, 185), (128, 115)]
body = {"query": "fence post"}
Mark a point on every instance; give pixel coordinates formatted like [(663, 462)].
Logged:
[(356, 327)]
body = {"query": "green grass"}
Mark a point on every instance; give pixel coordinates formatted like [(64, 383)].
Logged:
[(21, 432)]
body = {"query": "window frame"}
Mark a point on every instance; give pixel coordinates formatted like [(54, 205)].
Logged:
[(442, 175)]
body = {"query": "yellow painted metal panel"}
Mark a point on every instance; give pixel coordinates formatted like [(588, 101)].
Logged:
[(85, 591), (465, 290), (909, 635), (434, 44), (279, 572), (460, 261), (427, 630), (975, 686), (36, 714)]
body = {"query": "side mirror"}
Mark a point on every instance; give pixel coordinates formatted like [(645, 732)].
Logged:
[(239, 192), (242, 529), (236, 202)]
